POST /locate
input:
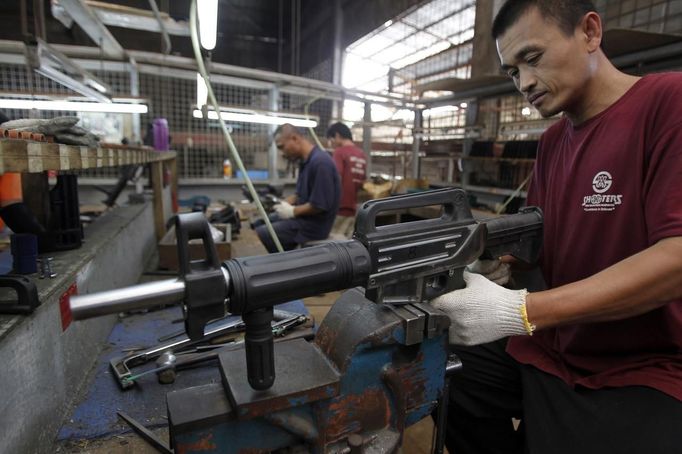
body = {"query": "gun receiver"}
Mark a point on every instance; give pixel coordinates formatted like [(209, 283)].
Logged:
[(398, 264)]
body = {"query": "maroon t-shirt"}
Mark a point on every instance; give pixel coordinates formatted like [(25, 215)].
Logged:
[(610, 188), (351, 162)]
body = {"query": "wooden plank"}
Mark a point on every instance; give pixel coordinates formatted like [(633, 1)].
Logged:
[(14, 155), (100, 157), (26, 156), (109, 157), (173, 167), (85, 157), (49, 153), (35, 160), (64, 157), (157, 189)]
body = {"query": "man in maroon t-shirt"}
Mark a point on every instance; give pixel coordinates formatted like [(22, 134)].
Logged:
[(351, 163), (594, 363)]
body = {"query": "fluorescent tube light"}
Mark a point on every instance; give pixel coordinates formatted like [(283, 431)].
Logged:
[(208, 23), (51, 63), (73, 106), (257, 118), (72, 84)]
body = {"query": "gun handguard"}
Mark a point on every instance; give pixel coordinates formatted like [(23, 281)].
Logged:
[(399, 263)]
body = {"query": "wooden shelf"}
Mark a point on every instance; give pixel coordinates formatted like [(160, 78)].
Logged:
[(27, 156)]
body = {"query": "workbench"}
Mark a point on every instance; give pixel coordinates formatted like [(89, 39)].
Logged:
[(45, 357), (33, 159)]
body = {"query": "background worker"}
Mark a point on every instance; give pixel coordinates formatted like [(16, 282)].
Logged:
[(352, 164), (309, 213), (594, 363)]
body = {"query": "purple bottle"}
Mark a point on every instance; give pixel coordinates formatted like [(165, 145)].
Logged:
[(160, 127)]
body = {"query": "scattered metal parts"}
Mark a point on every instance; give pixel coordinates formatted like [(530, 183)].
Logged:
[(146, 434), (45, 267)]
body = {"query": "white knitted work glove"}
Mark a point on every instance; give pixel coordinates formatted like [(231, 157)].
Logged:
[(493, 270), (284, 210), (484, 312)]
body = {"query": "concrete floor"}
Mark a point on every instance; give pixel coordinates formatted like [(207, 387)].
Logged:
[(417, 437)]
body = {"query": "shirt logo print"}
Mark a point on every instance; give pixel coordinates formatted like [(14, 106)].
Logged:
[(602, 182), (599, 201)]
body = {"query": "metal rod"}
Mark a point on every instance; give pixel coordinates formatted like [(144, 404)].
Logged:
[(146, 434), (280, 35), (166, 48), (173, 61), (126, 299)]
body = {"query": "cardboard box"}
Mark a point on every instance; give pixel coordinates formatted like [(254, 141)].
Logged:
[(168, 251)]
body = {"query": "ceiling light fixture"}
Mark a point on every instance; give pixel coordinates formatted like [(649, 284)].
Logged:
[(51, 63), (208, 23), (268, 118), (73, 106)]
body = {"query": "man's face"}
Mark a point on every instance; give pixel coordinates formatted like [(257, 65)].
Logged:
[(336, 141), (287, 144), (548, 67)]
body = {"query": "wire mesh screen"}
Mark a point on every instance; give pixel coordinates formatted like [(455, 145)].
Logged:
[(199, 142), (659, 16), (172, 94)]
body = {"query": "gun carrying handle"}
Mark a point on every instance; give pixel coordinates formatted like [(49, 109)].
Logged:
[(193, 226), (453, 201), (206, 287)]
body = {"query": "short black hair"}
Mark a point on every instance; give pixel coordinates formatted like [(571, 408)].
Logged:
[(566, 13), (288, 128), (340, 129)]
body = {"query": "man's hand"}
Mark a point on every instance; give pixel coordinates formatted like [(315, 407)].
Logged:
[(284, 210), (484, 312), (493, 270)]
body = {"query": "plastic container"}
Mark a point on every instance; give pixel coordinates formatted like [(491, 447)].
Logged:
[(161, 135), (24, 248), (227, 169)]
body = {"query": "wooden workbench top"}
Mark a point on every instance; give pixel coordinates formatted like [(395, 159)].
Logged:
[(18, 155)]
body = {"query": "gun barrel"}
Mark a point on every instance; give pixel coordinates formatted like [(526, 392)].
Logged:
[(518, 234), (126, 299)]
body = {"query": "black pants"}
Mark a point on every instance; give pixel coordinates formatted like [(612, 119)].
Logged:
[(286, 230), (492, 388)]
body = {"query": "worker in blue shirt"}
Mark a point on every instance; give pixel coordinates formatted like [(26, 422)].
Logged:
[(309, 213)]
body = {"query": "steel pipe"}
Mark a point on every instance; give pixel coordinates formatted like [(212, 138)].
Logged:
[(129, 298)]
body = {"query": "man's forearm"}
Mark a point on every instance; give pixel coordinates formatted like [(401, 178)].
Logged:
[(631, 287), (306, 209)]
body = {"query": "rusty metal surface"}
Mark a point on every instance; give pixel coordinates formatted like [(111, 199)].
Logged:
[(303, 375), (354, 321), (382, 386)]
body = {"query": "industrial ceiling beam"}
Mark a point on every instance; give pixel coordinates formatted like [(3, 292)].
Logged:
[(137, 18), (86, 18)]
